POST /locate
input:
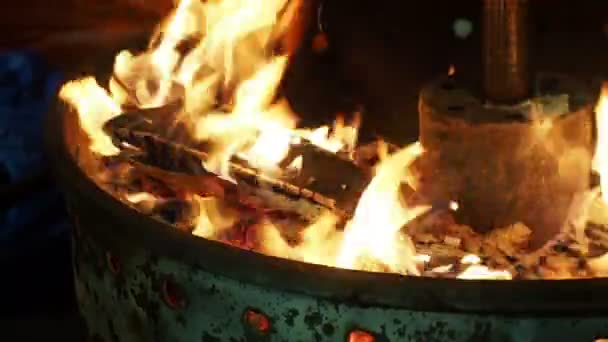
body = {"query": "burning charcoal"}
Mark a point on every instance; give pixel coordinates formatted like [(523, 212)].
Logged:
[(559, 267), (598, 234), (441, 271), (471, 241), (441, 254), (511, 240)]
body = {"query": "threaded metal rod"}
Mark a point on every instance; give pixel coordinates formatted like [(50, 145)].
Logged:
[(505, 50)]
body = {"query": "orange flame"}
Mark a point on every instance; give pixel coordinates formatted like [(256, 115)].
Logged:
[(374, 230), (477, 271), (600, 161), (95, 107), (228, 55)]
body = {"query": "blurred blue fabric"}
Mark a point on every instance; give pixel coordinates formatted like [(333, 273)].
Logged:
[(28, 85)]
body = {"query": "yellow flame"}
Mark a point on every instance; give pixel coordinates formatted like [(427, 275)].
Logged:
[(255, 130), (95, 107), (214, 217), (375, 228), (229, 56), (342, 137), (318, 244), (600, 161), (139, 197), (229, 44), (373, 235)]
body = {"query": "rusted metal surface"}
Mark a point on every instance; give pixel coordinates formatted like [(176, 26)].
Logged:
[(503, 159), (505, 50)]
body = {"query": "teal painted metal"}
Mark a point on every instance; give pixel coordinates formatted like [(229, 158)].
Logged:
[(123, 294)]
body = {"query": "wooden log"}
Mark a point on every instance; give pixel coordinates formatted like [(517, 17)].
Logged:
[(503, 167), (326, 181)]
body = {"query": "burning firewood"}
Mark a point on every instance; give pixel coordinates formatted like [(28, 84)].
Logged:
[(324, 181)]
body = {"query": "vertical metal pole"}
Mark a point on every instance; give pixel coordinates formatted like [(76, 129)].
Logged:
[(505, 50)]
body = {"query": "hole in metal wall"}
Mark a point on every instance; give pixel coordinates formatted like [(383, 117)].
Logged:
[(360, 336), (173, 295), (113, 263), (256, 321)]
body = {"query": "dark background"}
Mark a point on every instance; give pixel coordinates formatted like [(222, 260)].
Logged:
[(379, 55)]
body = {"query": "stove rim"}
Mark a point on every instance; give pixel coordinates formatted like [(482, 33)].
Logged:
[(582, 296)]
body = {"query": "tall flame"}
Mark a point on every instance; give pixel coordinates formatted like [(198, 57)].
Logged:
[(375, 228), (600, 161), (216, 58), (95, 107), (255, 129)]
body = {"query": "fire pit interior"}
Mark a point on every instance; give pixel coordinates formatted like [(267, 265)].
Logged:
[(203, 209)]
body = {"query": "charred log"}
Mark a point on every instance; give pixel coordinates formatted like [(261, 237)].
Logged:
[(325, 181)]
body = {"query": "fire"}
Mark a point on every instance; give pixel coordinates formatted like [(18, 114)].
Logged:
[(375, 228), (219, 60), (373, 235), (342, 137), (214, 217), (95, 107), (476, 271), (600, 161)]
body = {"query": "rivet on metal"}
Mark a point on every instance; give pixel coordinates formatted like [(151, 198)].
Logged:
[(360, 336), (173, 295), (256, 321), (113, 263)]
